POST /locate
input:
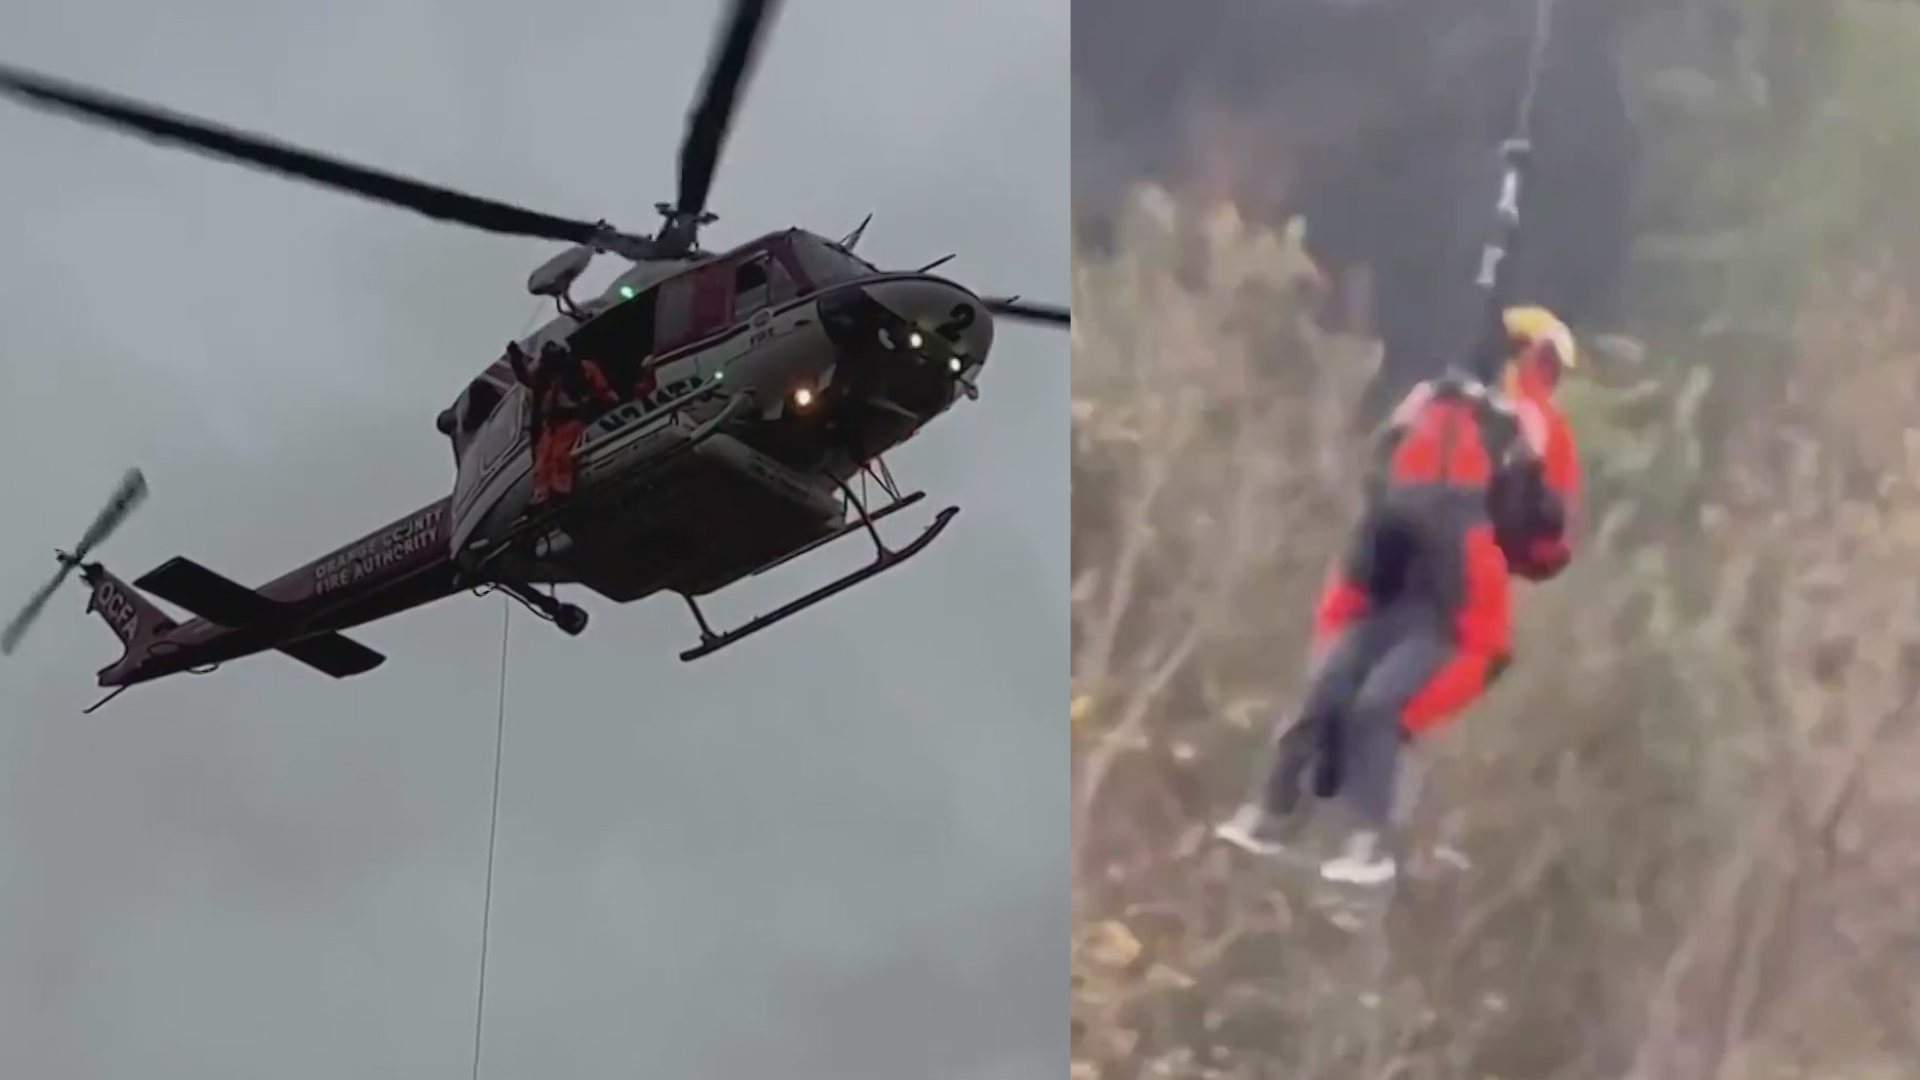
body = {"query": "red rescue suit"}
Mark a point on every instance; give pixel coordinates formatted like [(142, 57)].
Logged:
[(1415, 620), (1469, 489)]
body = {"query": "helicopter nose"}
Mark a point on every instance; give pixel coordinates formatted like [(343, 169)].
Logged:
[(940, 311)]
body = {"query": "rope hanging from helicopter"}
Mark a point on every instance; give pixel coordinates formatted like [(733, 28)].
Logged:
[(493, 836), (493, 813), (1496, 258)]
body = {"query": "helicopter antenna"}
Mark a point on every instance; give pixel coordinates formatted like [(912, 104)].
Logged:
[(852, 239)]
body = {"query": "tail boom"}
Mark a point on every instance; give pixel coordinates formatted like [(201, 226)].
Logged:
[(299, 614), (233, 622)]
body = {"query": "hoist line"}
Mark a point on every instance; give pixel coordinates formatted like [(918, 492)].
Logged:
[(1536, 60), (1496, 266), (493, 834), (493, 813)]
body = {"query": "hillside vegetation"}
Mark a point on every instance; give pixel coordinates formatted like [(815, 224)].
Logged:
[(1692, 809)]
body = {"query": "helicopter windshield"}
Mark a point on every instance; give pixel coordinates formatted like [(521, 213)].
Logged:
[(827, 263)]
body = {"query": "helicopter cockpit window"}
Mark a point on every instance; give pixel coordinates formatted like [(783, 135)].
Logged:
[(760, 282), (481, 399), (829, 264)]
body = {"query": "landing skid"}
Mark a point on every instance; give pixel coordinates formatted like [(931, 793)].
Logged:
[(884, 559)]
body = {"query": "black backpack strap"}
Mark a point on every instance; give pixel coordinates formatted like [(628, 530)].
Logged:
[(1499, 429)]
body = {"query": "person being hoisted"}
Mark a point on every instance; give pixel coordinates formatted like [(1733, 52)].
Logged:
[(568, 391), (1470, 486)]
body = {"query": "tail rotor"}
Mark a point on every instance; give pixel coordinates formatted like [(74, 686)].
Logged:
[(126, 498)]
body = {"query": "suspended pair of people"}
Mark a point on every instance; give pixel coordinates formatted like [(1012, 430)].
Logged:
[(1471, 486)]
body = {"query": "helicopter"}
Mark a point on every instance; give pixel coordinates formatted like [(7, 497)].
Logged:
[(759, 389)]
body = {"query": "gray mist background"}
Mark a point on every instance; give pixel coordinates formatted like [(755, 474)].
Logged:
[(836, 851)]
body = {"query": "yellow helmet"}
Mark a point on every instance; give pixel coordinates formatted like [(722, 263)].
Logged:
[(1530, 327)]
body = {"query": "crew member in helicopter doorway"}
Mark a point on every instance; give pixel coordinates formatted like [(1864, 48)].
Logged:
[(568, 392), (1472, 487)]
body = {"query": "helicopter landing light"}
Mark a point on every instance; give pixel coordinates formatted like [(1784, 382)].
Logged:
[(803, 397), (914, 340), (956, 365)]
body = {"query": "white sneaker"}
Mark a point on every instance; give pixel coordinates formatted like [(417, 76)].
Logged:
[(1361, 862), (1252, 829)]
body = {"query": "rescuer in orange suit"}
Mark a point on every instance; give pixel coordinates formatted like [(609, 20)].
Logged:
[(1414, 622), (568, 391)]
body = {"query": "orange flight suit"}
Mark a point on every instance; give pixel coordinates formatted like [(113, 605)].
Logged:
[(569, 392), (1415, 621)]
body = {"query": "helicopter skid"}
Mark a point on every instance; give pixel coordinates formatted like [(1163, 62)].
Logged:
[(884, 559)]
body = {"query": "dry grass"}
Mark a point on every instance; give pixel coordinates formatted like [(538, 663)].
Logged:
[(1690, 807)]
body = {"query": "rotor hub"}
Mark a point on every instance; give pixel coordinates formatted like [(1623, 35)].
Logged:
[(680, 232)]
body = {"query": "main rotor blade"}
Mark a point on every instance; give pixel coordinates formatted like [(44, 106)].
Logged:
[(125, 499), (214, 140), (712, 113), (1048, 314), (17, 629)]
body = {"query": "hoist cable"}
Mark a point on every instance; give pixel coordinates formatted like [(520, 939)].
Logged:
[(493, 813), (1536, 60), (1496, 262), (493, 834)]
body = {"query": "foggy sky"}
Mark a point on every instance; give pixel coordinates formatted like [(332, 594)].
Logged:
[(834, 851)]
